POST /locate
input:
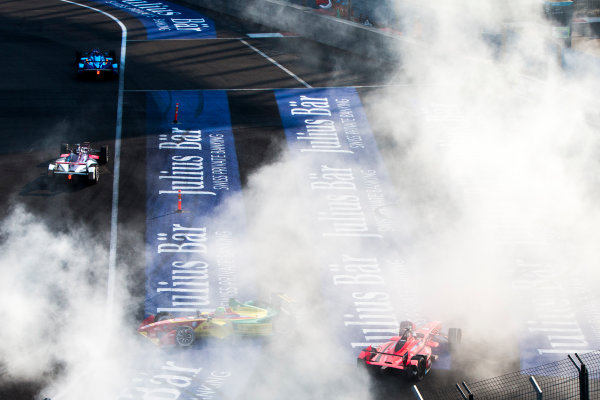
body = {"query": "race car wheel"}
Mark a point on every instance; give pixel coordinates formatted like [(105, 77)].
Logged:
[(184, 336), (94, 175), (418, 371), (64, 148), (103, 159)]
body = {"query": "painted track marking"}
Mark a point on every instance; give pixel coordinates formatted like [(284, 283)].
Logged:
[(277, 64), (112, 256)]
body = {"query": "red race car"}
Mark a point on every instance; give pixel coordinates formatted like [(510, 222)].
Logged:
[(413, 351)]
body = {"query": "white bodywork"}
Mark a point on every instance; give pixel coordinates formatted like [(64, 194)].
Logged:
[(78, 162)]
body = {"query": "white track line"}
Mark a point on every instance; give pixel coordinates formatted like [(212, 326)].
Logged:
[(277, 64), (112, 257)]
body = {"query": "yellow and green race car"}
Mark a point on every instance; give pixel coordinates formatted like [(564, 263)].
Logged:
[(251, 318)]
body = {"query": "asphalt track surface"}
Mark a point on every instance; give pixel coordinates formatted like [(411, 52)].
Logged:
[(43, 104)]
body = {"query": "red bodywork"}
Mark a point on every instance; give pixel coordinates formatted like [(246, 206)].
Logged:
[(163, 332), (411, 352)]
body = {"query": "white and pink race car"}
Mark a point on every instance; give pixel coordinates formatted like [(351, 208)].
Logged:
[(78, 160)]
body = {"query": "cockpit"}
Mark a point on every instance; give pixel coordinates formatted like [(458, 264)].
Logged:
[(403, 339), (95, 56), (73, 156)]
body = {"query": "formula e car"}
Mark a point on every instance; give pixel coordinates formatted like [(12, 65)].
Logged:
[(239, 319), (97, 62), (78, 160), (412, 352)]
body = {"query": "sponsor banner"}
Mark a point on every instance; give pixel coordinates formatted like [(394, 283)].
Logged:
[(562, 310), (351, 205), (191, 256), (213, 373), (165, 20), (192, 259)]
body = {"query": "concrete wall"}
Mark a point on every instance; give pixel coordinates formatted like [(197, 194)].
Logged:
[(336, 32)]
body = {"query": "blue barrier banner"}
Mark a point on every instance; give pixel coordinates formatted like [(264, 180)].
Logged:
[(559, 310), (195, 218), (351, 206), (191, 256), (210, 371), (165, 20)]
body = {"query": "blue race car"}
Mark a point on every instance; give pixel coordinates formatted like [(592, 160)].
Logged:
[(97, 62)]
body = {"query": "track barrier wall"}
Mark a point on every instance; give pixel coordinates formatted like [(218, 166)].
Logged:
[(366, 41), (592, 6), (326, 29)]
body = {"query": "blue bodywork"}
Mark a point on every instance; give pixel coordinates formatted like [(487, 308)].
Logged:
[(97, 62)]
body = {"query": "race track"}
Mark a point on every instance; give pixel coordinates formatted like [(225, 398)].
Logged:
[(44, 104), (231, 86)]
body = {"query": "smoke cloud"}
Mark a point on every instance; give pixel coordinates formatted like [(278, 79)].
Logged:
[(57, 327), (494, 148), (492, 151), (491, 146)]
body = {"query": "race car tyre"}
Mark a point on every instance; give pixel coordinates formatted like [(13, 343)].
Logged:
[(184, 336), (112, 54), (94, 175), (404, 325), (64, 148), (161, 316), (418, 371), (103, 155), (78, 56)]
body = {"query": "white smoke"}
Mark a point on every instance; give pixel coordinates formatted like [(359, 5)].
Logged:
[(283, 246), (56, 325), (493, 160), (492, 149), (488, 154)]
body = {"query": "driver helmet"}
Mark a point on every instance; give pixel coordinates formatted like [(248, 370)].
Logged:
[(220, 310)]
